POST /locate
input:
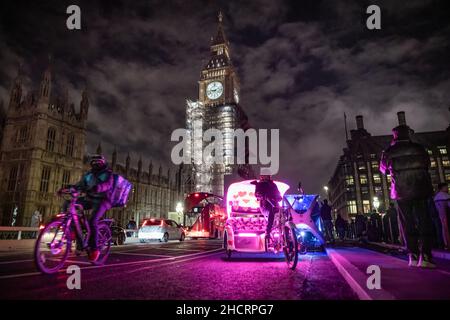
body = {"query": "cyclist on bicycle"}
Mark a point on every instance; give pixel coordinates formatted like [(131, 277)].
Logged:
[(97, 183), (268, 194)]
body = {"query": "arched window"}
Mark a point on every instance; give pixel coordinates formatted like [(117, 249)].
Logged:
[(70, 144), (23, 135), (51, 135)]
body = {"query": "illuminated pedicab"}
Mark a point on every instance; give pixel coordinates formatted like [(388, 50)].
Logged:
[(305, 212), (246, 225)]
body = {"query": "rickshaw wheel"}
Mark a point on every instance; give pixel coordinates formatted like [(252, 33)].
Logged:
[(225, 245)]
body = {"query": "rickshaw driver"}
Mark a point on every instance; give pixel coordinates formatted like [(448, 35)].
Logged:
[(266, 191)]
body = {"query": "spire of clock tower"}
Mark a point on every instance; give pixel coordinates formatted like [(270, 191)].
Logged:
[(220, 47), (219, 83)]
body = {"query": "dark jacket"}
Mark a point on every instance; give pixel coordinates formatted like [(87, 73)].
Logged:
[(407, 163), (325, 212), (267, 190), (340, 223), (97, 184)]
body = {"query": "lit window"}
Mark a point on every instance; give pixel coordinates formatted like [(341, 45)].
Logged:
[(361, 166), (445, 162), (375, 165), (349, 180), (447, 176), (366, 206), (433, 163), (351, 206), (442, 150), (363, 179), (430, 152), (389, 178), (376, 178)]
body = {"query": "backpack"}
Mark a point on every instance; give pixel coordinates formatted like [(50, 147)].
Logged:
[(120, 191)]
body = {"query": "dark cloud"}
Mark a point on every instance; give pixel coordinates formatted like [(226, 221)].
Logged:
[(302, 65)]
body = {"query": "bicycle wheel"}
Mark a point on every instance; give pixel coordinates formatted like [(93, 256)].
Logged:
[(52, 248), (290, 247), (104, 240)]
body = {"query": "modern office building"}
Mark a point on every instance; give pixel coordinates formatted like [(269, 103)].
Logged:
[(357, 185)]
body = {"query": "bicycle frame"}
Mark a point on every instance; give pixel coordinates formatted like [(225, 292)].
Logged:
[(71, 218)]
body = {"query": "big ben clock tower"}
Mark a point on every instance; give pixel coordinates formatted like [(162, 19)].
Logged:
[(219, 83), (217, 107)]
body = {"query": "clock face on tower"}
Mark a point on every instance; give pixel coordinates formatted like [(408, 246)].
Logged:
[(214, 90)]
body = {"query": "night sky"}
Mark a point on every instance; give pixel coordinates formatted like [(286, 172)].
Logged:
[(302, 64)]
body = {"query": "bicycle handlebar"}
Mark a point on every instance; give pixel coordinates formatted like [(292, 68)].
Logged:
[(70, 190)]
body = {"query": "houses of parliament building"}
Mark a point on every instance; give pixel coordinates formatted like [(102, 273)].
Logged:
[(43, 143)]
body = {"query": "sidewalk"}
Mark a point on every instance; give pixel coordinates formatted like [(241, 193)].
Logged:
[(398, 281), (437, 253)]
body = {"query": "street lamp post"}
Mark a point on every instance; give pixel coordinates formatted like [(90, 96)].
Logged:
[(326, 191), (376, 205), (179, 209)]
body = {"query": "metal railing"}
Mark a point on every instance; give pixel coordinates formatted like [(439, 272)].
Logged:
[(21, 233), (18, 233)]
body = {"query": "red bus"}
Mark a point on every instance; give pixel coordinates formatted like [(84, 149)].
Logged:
[(204, 215)]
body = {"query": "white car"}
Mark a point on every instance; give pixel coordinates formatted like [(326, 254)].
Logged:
[(160, 229)]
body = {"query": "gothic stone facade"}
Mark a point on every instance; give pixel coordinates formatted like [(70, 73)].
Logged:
[(43, 148), (153, 194)]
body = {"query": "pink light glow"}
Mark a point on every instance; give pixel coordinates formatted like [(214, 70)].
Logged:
[(242, 194), (246, 234)]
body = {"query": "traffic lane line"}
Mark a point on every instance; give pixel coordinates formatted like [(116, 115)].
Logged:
[(127, 252), (144, 254), (120, 264), (355, 277), (120, 252)]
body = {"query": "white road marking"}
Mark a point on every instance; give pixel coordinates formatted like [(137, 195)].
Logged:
[(178, 249), (177, 259), (144, 254)]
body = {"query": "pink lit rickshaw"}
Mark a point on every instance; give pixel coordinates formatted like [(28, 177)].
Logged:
[(246, 225)]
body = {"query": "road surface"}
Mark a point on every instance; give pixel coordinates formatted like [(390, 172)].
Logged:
[(193, 269)]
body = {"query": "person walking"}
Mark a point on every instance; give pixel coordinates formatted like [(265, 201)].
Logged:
[(131, 225), (375, 229), (408, 162), (340, 227), (36, 220), (327, 219), (442, 202), (390, 224), (360, 225)]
